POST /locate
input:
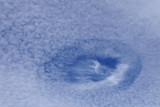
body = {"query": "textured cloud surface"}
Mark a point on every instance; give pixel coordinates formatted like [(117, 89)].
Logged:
[(79, 53)]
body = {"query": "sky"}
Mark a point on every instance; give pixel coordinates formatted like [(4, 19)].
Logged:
[(79, 53)]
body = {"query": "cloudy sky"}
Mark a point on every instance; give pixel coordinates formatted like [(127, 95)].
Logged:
[(42, 43)]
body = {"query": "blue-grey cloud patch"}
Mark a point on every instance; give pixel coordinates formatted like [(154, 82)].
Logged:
[(94, 62)]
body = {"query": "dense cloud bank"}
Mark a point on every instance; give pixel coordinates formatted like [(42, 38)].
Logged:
[(85, 53)]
